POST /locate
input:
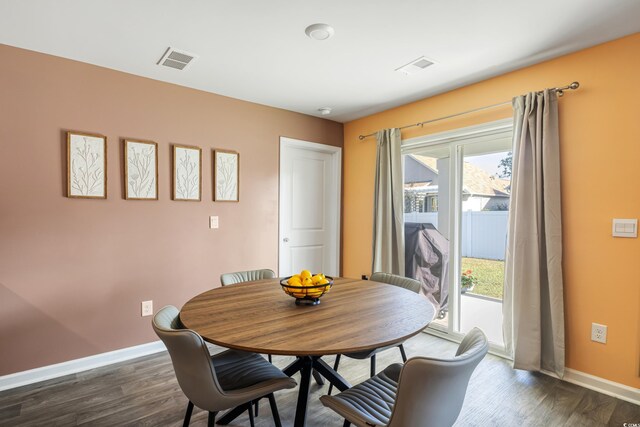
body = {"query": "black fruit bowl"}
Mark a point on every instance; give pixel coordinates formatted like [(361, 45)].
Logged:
[(308, 295)]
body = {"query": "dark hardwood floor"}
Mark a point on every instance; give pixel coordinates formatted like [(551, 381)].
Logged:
[(144, 392)]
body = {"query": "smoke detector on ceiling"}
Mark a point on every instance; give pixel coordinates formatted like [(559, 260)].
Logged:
[(177, 59), (325, 111), (319, 31), (415, 66)]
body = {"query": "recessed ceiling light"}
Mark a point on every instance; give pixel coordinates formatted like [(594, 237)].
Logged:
[(325, 111), (319, 31)]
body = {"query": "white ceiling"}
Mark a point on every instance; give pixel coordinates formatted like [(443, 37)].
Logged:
[(256, 50)]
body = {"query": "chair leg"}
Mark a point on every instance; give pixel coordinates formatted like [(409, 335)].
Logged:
[(211, 422), (373, 365), (232, 414), (251, 420), (269, 357), (187, 415), (347, 423), (404, 355), (274, 410), (318, 377), (255, 404), (335, 368)]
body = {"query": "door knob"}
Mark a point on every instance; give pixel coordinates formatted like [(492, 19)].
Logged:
[(286, 239)]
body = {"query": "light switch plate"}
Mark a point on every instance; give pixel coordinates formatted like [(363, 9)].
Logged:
[(624, 228), (213, 222)]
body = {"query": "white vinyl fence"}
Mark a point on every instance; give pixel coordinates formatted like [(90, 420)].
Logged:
[(484, 234)]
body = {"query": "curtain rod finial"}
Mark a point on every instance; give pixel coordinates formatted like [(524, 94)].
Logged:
[(361, 137), (574, 85)]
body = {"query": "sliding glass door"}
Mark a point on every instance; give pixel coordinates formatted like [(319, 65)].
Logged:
[(456, 193)]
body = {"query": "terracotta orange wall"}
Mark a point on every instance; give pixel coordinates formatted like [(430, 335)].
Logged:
[(600, 150), (73, 272)]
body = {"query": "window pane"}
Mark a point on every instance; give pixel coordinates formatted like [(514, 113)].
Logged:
[(426, 201), (486, 186)]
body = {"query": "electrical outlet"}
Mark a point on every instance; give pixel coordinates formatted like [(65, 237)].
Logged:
[(599, 333), (213, 222), (147, 308)]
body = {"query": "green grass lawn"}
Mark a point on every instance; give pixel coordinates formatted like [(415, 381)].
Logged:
[(490, 275)]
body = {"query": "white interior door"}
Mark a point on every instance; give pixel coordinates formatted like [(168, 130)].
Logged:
[(309, 207)]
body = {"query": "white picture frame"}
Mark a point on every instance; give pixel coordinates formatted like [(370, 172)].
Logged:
[(226, 176), (140, 170), (86, 165), (187, 173)]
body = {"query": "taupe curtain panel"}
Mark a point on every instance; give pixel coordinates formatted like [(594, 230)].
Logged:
[(388, 221), (533, 295)]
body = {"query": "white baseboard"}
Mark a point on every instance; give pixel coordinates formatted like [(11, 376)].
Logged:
[(610, 388), (78, 365)]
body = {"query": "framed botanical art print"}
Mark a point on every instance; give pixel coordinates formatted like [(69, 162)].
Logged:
[(86, 165), (226, 176), (140, 170), (187, 171)]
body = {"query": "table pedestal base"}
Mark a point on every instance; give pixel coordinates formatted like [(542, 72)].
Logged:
[(306, 365)]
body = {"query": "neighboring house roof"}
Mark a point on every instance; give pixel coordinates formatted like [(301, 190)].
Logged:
[(504, 184), (430, 162), (477, 181)]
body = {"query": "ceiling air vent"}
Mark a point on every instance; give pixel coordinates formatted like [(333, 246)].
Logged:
[(415, 66), (177, 59)]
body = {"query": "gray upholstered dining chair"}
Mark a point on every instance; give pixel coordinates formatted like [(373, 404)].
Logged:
[(246, 276), (231, 379), (425, 392), (391, 279)]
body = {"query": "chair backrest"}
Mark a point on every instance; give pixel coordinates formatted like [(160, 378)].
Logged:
[(246, 276), (191, 360), (431, 391), (392, 279)]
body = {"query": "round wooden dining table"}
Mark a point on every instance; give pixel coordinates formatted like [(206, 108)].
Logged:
[(354, 316)]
